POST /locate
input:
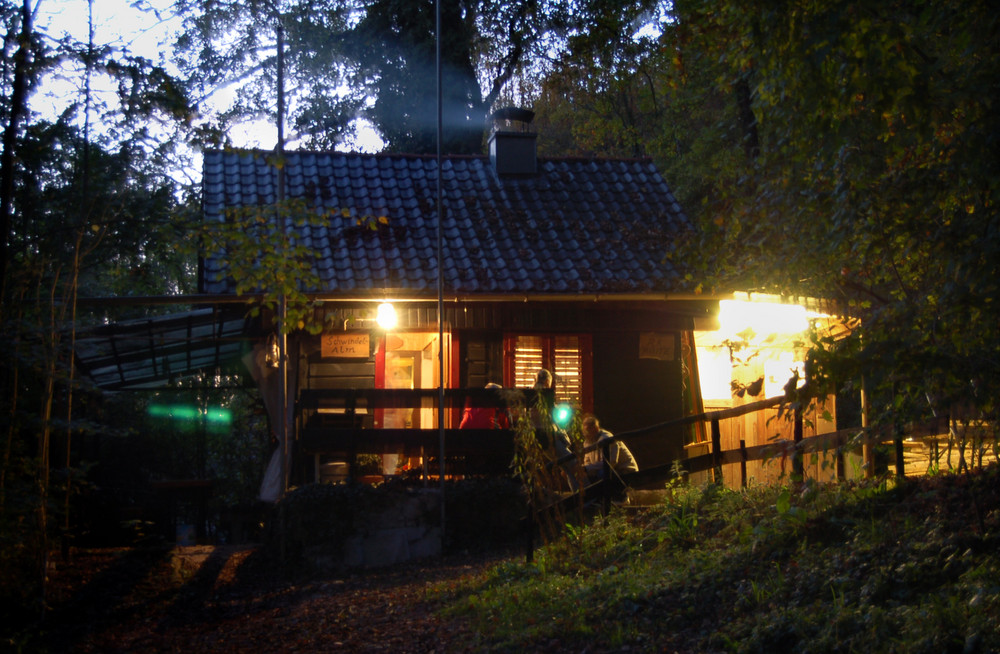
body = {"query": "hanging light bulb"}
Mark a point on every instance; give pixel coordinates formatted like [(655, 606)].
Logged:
[(386, 316)]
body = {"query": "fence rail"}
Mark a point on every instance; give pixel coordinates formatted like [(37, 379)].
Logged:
[(318, 437), (497, 444), (792, 449)]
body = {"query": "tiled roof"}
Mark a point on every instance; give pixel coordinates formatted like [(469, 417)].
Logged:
[(578, 226)]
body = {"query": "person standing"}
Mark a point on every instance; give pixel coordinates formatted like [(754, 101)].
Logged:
[(548, 433), (543, 379), (481, 417)]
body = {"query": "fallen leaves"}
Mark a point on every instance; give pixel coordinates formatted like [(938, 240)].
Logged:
[(228, 600)]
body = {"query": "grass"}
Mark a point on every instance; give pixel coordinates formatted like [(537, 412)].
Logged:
[(876, 567)]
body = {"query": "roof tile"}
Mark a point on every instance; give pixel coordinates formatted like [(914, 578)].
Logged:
[(579, 225)]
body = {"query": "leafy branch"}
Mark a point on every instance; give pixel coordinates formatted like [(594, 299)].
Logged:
[(268, 252)]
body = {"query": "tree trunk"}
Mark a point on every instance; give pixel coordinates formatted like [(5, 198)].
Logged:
[(18, 107), (748, 121)]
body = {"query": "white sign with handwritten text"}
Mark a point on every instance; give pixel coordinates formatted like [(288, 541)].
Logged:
[(656, 346), (355, 346)]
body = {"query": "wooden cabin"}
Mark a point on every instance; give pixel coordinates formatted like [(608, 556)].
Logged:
[(546, 263)]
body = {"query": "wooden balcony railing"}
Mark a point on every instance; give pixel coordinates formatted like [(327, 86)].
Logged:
[(340, 422)]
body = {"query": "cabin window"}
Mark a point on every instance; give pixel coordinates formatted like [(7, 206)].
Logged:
[(567, 356)]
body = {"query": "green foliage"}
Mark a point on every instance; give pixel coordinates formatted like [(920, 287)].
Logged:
[(268, 252), (837, 151), (87, 211), (544, 482), (233, 43), (89, 223), (602, 97), (375, 61), (840, 568), (873, 182)]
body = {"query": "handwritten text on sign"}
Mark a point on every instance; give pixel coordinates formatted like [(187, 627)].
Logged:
[(344, 345), (656, 346)]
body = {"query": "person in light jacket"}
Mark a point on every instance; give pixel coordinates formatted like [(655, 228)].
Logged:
[(619, 457)]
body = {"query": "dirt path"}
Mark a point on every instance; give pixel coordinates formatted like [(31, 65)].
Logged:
[(227, 600)]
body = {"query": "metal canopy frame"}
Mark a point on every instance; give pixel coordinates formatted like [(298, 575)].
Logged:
[(148, 353)]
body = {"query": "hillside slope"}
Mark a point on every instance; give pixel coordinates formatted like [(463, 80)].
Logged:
[(885, 567)]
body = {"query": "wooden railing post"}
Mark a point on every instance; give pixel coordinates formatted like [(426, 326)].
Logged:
[(897, 440), (606, 481), (716, 451), (743, 463), (841, 455), (529, 555), (798, 470)]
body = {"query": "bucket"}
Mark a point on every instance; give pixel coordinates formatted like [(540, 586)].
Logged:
[(333, 473), (185, 535)]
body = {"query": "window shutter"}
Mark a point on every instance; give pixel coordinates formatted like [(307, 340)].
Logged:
[(567, 364), (529, 356), (562, 354)]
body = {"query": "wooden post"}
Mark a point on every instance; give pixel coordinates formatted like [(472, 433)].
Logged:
[(798, 471), (529, 555), (716, 452), (868, 447), (841, 467), (606, 481), (743, 463), (897, 440)]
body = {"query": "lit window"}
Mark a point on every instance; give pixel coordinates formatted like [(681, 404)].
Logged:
[(566, 356)]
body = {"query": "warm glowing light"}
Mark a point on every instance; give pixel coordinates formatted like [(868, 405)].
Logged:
[(762, 318), (779, 371), (386, 316)]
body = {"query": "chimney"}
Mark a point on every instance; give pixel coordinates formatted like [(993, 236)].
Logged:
[(512, 143)]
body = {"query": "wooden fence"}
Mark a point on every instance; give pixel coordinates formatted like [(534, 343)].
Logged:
[(794, 450), (343, 433), (346, 429)]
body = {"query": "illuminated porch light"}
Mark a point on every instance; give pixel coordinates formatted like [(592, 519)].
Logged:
[(763, 318), (386, 316)]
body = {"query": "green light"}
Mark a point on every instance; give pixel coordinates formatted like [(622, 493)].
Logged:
[(187, 412), (562, 414), (224, 416)]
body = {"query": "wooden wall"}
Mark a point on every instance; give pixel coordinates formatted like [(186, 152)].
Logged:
[(632, 392)]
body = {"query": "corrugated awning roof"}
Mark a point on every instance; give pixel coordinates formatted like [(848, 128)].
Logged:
[(149, 352)]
